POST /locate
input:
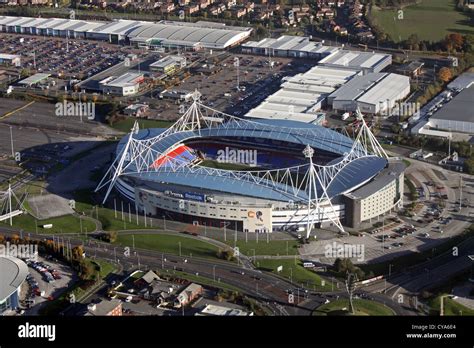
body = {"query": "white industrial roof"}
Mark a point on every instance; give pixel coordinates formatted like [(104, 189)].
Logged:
[(357, 86), (165, 61), (38, 77), (8, 56), (292, 43), (125, 80), (387, 88), (354, 59), (207, 37), (304, 92), (210, 35)]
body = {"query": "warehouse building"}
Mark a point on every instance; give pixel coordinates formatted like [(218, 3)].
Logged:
[(10, 59), (169, 64), (457, 115), (289, 46), (13, 272), (302, 96), (141, 33), (368, 62), (169, 34), (372, 93), (124, 85)]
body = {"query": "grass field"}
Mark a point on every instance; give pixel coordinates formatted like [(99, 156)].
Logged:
[(274, 247), (430, 20), (300, 275), (169, 244), (362, 307), (451, 307), (63, 224), (127, 124)]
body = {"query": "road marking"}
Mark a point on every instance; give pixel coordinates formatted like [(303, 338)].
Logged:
[(8, 114)]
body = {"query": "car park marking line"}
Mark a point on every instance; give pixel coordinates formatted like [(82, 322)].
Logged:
[(8, 114)]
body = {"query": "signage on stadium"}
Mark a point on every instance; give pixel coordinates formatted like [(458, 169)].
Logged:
[(174, 194), (194, 196)]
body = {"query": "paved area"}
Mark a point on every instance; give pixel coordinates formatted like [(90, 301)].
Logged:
[(54, 289), (49, 205), (428, 179)]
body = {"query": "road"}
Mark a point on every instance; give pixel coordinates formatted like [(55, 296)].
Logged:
[(267, 288)]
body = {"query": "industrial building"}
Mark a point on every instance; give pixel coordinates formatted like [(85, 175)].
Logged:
[(302, 96), (197, 35), (13, 273), (124, 85), (10, 59), (169, 64), (141, 33), (457, 115), (367, 62), (289, 46), (35, 79), (372, 93)]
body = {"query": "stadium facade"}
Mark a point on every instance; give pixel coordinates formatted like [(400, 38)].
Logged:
[(213, 169), (13, 272)]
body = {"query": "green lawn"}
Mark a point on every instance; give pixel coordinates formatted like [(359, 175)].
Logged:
[(430, 20), (300, 275), (63, 224), (105, 267), (169, 244), (362, 307), (274, 247), (127, 124), (451, 307)]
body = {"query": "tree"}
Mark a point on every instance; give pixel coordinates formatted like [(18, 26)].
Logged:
[(445, 74), (77, 253), (261, 31), (469, 164)]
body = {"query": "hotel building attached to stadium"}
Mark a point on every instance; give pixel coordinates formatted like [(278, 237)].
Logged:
[(260, 175)]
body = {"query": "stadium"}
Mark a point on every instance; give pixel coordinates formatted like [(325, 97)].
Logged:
[(213, 169)]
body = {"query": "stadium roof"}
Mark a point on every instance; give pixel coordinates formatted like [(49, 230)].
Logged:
[(13, 272), (382, 179), (460, 108), (319, 138)]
